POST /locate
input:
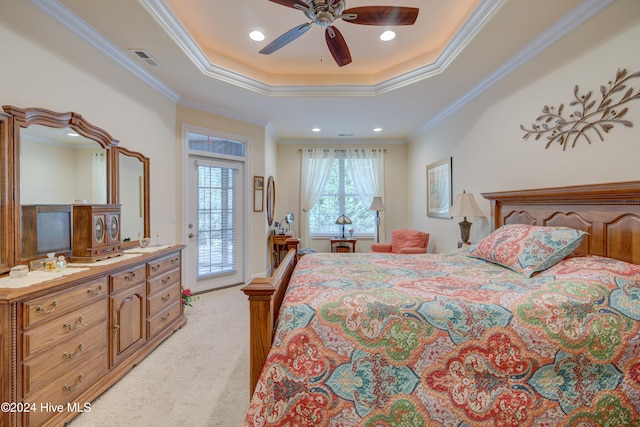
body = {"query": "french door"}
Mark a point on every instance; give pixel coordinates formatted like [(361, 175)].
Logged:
[(214, 223)]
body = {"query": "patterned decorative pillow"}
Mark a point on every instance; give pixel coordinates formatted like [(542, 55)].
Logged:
[(526, 249)]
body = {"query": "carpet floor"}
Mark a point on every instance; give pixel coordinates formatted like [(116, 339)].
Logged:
[(198, 377)]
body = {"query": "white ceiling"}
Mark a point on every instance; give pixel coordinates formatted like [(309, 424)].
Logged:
[(205, 59)]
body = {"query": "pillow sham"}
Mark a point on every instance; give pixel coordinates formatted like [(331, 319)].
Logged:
[(527, 249)]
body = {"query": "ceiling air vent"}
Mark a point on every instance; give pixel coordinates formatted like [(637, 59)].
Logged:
[(345, 134), (144, 56)]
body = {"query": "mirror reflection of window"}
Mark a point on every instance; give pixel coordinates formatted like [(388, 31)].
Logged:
[(131, 172)]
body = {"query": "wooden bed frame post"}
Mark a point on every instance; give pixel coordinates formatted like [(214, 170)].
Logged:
[(265, 297)]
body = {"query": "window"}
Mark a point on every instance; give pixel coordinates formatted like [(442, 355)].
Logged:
[(340, 197)]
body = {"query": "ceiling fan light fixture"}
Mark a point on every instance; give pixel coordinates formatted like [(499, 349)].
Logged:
[(256, 36), (387, 36)]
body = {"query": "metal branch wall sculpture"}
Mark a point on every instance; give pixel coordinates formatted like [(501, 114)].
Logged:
[(588, 116)]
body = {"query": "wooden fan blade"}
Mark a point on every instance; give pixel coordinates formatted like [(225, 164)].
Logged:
[(286, 38), (337, 46), (381, 15), (291, 3)]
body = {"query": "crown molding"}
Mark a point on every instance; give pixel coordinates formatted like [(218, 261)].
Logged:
[(70, 20), (177, 32), (578, 15)]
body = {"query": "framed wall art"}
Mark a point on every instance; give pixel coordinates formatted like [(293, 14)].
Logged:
[(258, 193), (439, 189)]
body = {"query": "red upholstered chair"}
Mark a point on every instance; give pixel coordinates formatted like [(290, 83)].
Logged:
[(404, 242)]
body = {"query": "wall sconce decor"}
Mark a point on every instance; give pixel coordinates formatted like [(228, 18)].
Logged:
[(587, 115), (258, 193)]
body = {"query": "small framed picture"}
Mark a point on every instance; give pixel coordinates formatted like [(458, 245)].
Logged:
[(258, 193), (439, 189)]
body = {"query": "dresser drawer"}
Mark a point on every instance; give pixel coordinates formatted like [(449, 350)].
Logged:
[(161, 265), (63, 327), (45, 308), (127, 278), (163, 319), (67, 388), (163, 281), (63, 357), (161, 300)]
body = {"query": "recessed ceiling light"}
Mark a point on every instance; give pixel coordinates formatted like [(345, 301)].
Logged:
[(377, 129), (316, 129), (256, 36), (387, 35)]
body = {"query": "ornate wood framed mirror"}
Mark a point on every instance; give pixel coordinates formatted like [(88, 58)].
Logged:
[(131, 178), (271, 200), (49, 170)]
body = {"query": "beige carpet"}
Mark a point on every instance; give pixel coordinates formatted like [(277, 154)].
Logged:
[(199, 377)]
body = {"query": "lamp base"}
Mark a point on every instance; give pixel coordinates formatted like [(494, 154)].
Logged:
[(465, 228)]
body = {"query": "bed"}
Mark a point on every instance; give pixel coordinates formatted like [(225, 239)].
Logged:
[(454, 340)]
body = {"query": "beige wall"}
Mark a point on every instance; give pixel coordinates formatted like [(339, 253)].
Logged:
[(395, 215), (56, 74), (485, 140)]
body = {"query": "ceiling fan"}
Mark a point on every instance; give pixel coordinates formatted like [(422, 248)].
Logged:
[(325, 12)]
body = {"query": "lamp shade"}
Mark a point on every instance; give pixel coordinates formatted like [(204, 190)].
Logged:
[(465, 205), (376, 204), (343, 219)]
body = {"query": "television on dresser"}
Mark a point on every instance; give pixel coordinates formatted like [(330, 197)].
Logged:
[(44, 229)]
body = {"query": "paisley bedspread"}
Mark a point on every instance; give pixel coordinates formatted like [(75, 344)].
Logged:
[(448, 340)]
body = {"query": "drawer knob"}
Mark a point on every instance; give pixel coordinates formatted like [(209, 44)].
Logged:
[(68, 387), (130, 276), (165, 318), (67, 325), (166, 298), (166, 280), (74, 355), (98, 291), (155, 267), (42, 310)]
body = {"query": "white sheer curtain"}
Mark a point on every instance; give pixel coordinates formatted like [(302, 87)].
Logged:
[(367, 170), (315, 170), (98, 178)]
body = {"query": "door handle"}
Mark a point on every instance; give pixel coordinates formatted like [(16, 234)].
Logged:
[(191, 235)]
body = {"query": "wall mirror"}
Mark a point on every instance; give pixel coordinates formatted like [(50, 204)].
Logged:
[(51, 170), (271, 200), (132, 180)]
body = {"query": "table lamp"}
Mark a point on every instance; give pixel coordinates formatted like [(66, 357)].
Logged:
[(343, 220), (464, 206)]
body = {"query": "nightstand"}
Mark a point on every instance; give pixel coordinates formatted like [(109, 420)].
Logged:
[(343, 245)]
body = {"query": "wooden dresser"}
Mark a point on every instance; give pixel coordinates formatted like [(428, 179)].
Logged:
[(65, 341)]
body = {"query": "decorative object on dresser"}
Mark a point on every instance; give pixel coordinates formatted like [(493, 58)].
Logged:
[(586, 115), (96, 232), (439, 190), (343, 220), (464, 206), (377, 205)]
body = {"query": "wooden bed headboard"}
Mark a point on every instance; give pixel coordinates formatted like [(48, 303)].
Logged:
[(610, 213)]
